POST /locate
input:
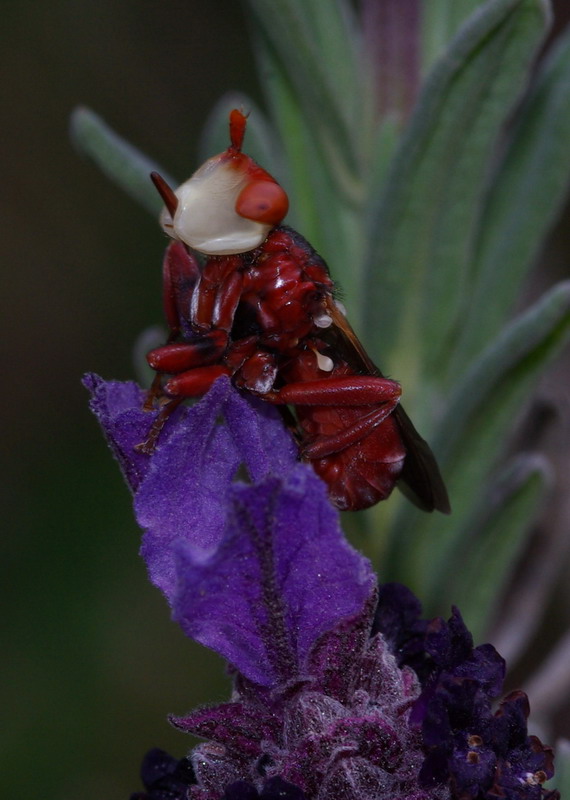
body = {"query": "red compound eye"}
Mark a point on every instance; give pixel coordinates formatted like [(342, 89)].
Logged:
[(263, 201)]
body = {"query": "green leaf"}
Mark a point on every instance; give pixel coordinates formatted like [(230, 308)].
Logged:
[(487, 554), (440, 22), (521, 350), (421, 230), (307, 170), (318, 47), (526, 197), (120, 161), (471, 438), (326, 215)]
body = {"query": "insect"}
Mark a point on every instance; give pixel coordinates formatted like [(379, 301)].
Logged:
[(259, 306)]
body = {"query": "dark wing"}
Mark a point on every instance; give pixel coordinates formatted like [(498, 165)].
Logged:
[(347, 344), (421, 480)]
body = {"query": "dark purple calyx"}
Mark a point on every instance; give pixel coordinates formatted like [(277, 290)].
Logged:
[(480, 753)]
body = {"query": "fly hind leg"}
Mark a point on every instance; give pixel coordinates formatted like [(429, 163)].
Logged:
[(377, 398)]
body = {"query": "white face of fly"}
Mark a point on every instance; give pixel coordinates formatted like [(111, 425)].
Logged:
[(206, 218)]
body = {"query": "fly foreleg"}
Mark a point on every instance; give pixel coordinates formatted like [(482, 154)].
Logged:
[(193, 383), (181, 356), (216, 297), (192, 361), (180, 274), (200, 310), (199, 307)]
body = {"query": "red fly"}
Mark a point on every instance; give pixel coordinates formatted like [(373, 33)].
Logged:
[(260, 307)]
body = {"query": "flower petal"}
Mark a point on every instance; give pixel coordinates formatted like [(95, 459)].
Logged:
[(185, 495), (282, 576), (185, 492), (118, 407), (182, 488)]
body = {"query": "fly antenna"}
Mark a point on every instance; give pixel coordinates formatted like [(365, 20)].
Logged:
[(164, 190), (238, 124)]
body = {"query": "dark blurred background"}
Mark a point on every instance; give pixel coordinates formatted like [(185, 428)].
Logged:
[(92, 663)]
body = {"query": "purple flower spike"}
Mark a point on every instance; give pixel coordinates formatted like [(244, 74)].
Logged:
[(261, 573), (282, 576), (319, 709)]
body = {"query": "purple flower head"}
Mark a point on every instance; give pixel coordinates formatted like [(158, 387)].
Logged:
[(335, 696), (262, 574), (481, 753)]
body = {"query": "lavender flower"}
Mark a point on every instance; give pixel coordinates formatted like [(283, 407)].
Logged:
[(329, 700), (480, 753)]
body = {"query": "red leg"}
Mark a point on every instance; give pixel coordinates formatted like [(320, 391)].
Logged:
[(182, 356), (217, 280), (195, 382), (206, 302), (349, 390), (149, 443), (380, 395), (257, 373), (180, 273), (323, 445), (154, 394), (227, 299), (239, 351)]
